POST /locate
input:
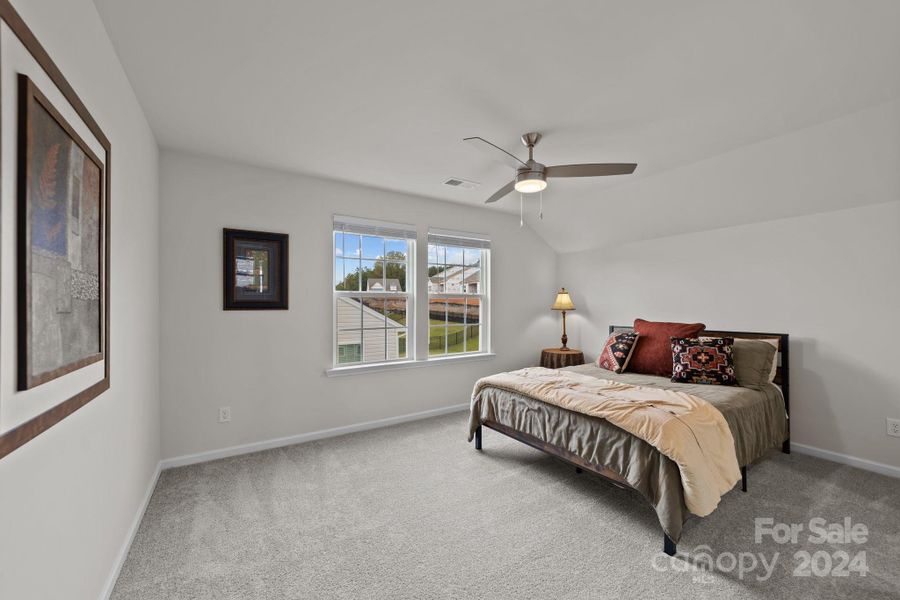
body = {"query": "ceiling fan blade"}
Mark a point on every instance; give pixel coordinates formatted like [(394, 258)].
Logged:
[(501, 192), (495, 152), (590, 170)]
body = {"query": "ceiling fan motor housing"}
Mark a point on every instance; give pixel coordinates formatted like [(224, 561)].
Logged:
[(534, 170), (531, 178)]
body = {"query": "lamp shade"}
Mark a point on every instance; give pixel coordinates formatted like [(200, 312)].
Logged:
[(563, 301)]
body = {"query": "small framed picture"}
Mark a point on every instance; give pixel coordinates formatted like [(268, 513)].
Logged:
[(256, 270)]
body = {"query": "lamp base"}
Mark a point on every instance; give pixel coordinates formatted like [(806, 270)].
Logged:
[(564, 339)]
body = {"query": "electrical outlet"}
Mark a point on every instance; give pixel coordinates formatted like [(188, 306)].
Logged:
[(224, 414), (893, 427)]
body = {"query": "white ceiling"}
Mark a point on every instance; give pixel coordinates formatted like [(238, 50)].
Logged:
[(381, 93)]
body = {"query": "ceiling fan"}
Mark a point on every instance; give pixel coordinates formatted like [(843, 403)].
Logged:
[(531, 176)]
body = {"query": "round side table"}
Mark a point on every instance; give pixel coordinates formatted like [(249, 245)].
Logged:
[(555, 358)]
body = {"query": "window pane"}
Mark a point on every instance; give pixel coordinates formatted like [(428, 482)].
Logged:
[(350, 247), (454, 255), (346, 274), (473, 311), (473, 338), (395, 249), (436, 254), (437, 340), (454, 275), (349, 347), (395, 311), (437, 311), (373, 315), (456, 338), (472, 256), (435, 279), (374, 271), (395, 276), (349, 313), (373, 345), (372, 247), (472, 280), (402, 338), (396, 341), (456, 310)]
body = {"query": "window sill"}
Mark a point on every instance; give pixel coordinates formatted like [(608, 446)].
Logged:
[(407, 364)]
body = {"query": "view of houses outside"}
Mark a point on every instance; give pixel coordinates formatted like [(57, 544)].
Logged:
[(371, 327), (454, 307)]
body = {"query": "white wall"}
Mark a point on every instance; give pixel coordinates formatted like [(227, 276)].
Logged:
[(269, 366), (68, 497), (828, 280)]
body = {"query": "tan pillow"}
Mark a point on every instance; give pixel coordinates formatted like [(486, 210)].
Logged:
[(754, 362), (774, 342)]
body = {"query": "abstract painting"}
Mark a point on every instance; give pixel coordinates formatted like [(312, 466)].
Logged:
[(255, 270), (60, 244)]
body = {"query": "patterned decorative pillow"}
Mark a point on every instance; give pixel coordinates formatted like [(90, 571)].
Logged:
[(703, 361), (617, 351)]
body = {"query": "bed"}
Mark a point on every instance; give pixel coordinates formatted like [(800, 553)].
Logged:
[(758, 420)]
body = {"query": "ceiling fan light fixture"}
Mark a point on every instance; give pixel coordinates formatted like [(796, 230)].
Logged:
[(530, 183)]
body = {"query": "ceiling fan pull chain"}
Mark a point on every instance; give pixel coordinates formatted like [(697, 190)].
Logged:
[(542, 205)]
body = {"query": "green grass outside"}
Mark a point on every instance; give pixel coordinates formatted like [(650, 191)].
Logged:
[(471, 344)]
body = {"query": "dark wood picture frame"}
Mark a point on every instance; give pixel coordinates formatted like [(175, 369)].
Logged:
[(30, 97), (28, 430), (279, 271)]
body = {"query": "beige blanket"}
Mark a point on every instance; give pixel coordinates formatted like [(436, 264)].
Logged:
[(683, 427)]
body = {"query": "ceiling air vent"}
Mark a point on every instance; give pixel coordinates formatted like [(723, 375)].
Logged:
[(461, 183)]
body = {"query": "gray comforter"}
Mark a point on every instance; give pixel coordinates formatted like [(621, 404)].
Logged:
[(756, 418)]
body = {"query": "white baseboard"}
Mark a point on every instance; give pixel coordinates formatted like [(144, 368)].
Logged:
[(135, 524), (191, 459), (846, 459)]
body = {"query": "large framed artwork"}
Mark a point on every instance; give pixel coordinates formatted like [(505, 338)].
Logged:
[(255, 270), (54, 269), (61, 223)]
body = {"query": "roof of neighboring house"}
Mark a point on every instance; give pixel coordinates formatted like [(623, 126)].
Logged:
[(389, 285), (454, 272)]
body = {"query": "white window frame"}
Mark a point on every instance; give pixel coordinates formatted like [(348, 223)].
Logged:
[(459, 239), (392, 231)]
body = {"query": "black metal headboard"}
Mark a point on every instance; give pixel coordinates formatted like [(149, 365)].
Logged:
[(782, 371)]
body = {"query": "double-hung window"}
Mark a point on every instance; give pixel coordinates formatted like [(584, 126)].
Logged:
[(374, 284), (458, 286)]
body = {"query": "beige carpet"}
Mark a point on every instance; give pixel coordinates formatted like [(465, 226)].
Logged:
[(412, 511)]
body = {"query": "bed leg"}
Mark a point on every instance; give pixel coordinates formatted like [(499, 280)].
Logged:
[(744, 479), (668, 545), (478, 438), (786, 446)]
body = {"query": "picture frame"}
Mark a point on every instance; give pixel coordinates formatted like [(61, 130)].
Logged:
[(61, 250), (40, 407), (255, 269)]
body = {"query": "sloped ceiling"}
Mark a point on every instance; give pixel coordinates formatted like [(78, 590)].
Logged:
[(381, 94)]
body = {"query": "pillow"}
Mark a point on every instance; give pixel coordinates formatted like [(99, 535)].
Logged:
[(617, 351), (653, 356), (708, 361), (754, 363), (775, 342)]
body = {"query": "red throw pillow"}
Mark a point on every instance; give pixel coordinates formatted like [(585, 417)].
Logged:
[(653, 356)]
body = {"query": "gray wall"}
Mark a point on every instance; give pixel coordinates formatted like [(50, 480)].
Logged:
[(69, 497), (269, 366), (828, 280)]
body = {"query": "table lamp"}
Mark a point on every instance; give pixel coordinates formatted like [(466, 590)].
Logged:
[(563, 303)]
